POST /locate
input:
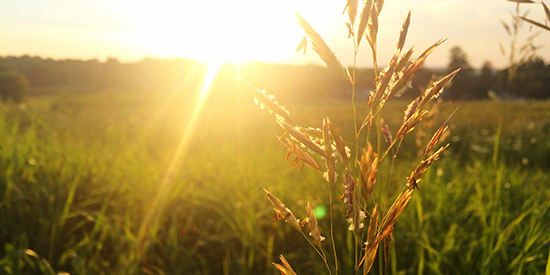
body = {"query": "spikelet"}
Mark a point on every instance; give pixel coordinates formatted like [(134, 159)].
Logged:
[(267, 100), (416, 174), (403, 34), (386, 226), (320, 47), (340, 147), (299, 154), (313, 226), (354, 214), (385, 77), (386, 131), (299, 136), (379, 5), (435, 138), (437, 88), (367, 121), (413, 68), (282, 212), (373, 29), (285, 269), (329, 159), (411, 109), (351, 7), (370, 248), (404, 60), (364, 19), (408, 125), (368, 166), (302, 46)]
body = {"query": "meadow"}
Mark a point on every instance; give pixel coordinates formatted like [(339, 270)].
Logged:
[(134, 181)]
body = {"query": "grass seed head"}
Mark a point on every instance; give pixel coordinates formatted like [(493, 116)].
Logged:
[(351, 8), (313, 226), (320, 47), (299, 154), (364, 19), (373, 28), (404, 60), (329, 158), (370, 248), (403, 34), (261, 97), (299, 136), (386, 227), (386, 131), (340, 147), (437, 88), (282, 212), (368, 166), (285, 269), (416, 174), (354, 214), (435, 138)]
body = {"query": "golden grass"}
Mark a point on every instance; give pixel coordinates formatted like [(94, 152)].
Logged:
[(358, 173)]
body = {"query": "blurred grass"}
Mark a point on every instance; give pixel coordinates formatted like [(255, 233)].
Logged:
[(78, 172)]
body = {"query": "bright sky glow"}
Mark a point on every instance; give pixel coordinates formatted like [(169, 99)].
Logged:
[(243, 30)]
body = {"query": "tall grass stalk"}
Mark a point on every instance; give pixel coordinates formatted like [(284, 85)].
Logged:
[(359, 172)]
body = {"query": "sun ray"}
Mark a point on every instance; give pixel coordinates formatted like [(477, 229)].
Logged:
[(157, 206)]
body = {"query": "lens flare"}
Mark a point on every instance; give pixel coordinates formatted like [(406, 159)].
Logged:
[(157, 206)]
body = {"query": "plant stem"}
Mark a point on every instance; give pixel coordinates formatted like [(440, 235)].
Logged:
[(332, 228)]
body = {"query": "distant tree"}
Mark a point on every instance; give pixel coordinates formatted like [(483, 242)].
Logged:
[(461, 86), (485, 81), (531, 80), (13, 86)]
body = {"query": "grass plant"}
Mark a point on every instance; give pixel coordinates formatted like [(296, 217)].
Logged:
[(371, 215)]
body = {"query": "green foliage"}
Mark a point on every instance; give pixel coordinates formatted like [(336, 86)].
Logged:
[(13, 86), (76, 181), (531, 80)]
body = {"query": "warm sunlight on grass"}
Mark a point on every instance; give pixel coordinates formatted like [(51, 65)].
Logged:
[(180, 152)]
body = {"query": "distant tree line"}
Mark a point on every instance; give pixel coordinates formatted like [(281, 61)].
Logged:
[(530, 79)]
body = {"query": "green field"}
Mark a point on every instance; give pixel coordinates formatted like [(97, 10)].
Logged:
[(119, 181)]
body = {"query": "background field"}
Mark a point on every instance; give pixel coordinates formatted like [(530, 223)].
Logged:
[(81, 167)]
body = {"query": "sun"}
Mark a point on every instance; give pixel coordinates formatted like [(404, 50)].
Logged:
[(215, 31)]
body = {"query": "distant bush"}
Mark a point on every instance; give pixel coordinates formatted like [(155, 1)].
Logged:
[(13, 86)]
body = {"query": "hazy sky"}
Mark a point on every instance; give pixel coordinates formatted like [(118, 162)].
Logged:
[(239, 30)]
